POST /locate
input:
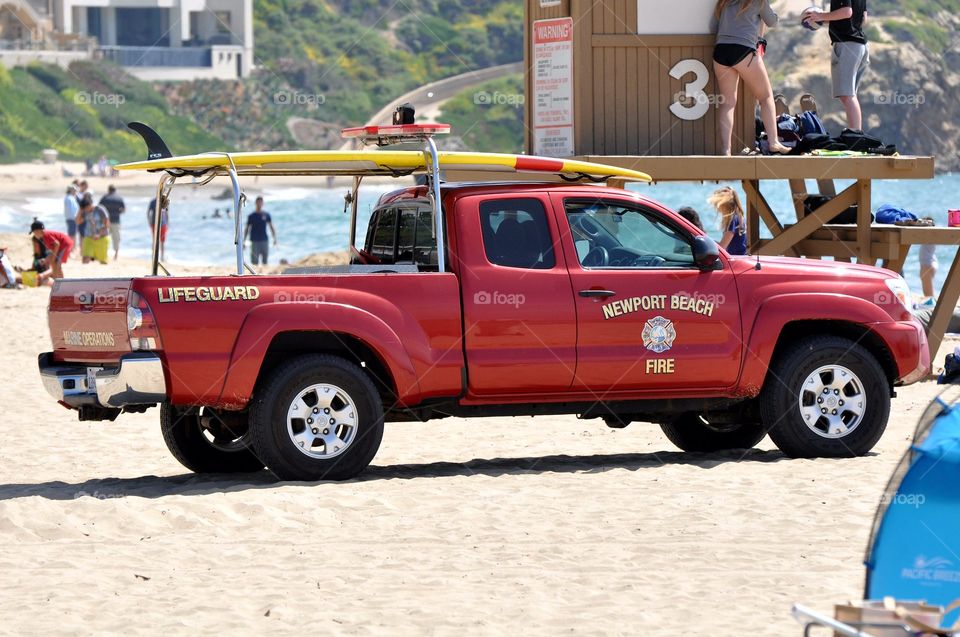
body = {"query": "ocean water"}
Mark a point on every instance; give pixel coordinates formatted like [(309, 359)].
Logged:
[(313, 220)]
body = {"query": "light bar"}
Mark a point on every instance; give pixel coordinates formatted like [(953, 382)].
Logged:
[(394, 134)]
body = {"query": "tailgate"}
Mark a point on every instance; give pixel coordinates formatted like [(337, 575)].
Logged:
[(88, 319)]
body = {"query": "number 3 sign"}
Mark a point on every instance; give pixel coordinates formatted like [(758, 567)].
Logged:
[(692, 90)]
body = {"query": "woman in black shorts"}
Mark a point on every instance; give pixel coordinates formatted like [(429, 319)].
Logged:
[(739, 26)]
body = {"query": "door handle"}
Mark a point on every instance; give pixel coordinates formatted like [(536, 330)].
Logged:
[(596, 293)]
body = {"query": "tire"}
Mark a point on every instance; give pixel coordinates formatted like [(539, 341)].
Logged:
[(825, 373), (326, 388), (214, 448), (690, 433)]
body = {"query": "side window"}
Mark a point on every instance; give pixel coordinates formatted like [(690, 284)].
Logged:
[(425, 241), (406, 230), (384, 235), (609, 235), (516, 233)]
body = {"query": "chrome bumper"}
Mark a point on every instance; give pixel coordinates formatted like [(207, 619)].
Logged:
[(138, 380)]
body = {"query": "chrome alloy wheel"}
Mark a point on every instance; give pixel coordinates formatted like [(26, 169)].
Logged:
[(832, 401), (322, 421)]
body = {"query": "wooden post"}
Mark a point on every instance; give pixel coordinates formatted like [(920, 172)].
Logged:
[(863, 221)]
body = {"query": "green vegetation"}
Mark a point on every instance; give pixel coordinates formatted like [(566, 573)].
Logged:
[(339, 61), (490, 117), (925, 22), (83, 112)]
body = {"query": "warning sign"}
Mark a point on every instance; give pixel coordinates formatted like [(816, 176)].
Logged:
[(553, 87)]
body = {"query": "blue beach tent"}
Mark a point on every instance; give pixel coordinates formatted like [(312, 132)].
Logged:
[(914, 548)]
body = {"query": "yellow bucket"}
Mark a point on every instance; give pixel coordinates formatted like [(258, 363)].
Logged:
[(29, 278)]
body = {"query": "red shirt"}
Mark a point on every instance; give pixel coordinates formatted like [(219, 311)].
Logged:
[(51, 237)]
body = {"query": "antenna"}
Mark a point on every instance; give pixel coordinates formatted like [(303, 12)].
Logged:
[(757, 266)]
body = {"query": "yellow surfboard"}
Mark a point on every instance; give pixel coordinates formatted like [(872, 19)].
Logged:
[(378, 162)]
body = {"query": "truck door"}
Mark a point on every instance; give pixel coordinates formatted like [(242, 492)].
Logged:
[(647, 316), (519, 318)]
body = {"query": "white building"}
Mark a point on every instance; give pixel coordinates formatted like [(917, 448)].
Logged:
[(164, 39)]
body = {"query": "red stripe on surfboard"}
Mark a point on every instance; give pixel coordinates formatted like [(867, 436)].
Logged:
[(539, 163)]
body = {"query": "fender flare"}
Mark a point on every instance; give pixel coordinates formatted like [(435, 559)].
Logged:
[(778, 311), (265, 322)]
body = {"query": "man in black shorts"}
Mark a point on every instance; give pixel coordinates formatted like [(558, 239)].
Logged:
[(850, 54)]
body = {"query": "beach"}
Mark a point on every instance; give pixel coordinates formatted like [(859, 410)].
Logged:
[(479, 527)]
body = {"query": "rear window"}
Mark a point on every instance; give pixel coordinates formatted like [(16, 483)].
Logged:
[(403, 235)]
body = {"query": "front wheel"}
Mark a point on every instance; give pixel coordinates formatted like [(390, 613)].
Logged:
[(826, 396), (207, 441), (692, 432), (317, 417)]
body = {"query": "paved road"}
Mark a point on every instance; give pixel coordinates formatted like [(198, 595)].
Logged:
[(428, 98)]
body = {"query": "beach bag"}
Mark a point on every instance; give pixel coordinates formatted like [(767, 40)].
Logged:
[(888, 213), (815, 141), (813, 202), (858, 140), (809, 124)]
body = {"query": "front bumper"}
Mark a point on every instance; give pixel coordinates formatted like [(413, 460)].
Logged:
[(137, 380), (908, 345)]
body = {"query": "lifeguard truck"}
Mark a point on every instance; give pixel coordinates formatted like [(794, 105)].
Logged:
[(558, 295)]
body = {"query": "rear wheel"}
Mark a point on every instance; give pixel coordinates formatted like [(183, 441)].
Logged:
[(825, 397), (207, 441), (692, 432), (317, 417)]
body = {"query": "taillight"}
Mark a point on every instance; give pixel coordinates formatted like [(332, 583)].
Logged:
[(141, 326)]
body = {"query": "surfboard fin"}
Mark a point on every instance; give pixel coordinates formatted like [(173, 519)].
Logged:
[(156, 148)]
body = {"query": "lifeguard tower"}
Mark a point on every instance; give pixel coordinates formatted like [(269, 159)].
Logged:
[(630, 83)]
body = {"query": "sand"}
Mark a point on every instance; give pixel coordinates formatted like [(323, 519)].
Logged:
[(543, 526)]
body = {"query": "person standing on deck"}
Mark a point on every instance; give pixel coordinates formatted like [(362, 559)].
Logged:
[(735, 56), (850, 55)]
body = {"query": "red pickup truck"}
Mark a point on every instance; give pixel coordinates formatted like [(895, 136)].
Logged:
[(545, 298)]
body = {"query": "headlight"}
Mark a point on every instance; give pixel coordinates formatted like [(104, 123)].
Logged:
[(900, 291)]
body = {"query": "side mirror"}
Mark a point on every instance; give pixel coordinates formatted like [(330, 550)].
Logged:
[(706, 252)]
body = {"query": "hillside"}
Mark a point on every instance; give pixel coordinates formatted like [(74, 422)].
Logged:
[(338, 61), (82, 113)]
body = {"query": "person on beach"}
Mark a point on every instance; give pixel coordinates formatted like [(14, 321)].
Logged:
[(71, 206), (739, 28), (691, 215), (115, 207), (732, 220), (84, 201), (850, 54), (8, 280), (164, 224), (58, 247), (96, 241), (928, 270), (257, 223)]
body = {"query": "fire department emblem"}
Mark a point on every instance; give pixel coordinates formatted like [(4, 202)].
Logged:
[(658, 334)]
